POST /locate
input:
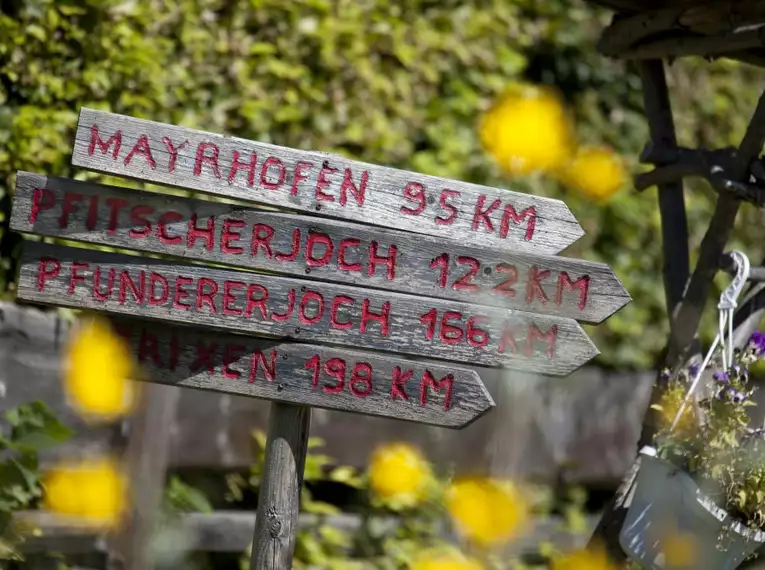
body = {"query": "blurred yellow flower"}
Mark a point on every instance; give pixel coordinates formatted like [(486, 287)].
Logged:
[(398, 473), (98, 369), (596, 172), (528, 129), (668, 407), (485, 511), (584, 559), (679, 550), (93, 490), (445, 561)]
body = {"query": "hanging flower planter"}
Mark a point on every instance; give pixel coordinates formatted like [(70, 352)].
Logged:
[(698, 501), (665, 498)]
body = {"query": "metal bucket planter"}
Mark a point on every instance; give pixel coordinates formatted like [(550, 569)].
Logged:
[(665, 494)]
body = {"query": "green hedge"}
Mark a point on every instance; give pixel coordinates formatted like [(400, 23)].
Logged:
[(398, 82)]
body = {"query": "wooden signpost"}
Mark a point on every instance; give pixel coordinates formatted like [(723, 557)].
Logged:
[(416, 265), (303, 246)]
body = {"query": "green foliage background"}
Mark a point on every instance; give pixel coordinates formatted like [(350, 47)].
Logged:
[(398, 82)]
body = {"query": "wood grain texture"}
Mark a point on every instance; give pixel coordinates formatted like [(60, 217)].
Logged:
[(324, 249), (321, 183), (276, 522), (304, 374), (297, 309)]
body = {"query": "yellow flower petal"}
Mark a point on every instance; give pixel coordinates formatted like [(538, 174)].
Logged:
[(97, 377), (398, 472), (527, 130), (596, 172), (486, 511), (93, 490), (584, 559), (445, 561)]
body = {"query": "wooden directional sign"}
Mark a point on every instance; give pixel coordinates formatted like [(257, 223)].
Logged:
[(318, 376), (320, 248), (301, 309), (322, 184)]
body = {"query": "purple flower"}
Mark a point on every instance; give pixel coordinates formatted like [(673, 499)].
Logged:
[(757, 342), (693, 369), (721, 377), (737, 397)]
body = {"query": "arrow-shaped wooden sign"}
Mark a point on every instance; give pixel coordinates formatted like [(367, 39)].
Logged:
[(217, 233), (322, 184), (318, 376), (300, 309)]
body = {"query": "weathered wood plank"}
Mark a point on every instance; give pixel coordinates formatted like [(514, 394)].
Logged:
[(322, 377), (299, 309), (276, 523), (324, 249), (321, 183)]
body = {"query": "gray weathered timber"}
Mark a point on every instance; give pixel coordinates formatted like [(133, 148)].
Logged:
[(321, 183), (298, 309), (324, 249), (276, 522), (316, 376)]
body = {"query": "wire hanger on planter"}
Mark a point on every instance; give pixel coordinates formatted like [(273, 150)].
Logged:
[(726, 306)]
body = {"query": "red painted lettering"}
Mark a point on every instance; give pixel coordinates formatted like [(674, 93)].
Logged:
[(318, 238), (322, 182), (534, 284), (141, 147), (389, 261), (258, 302), (582, 284), (115, 205), (207, 233), (49, 268), (164, 219), (257, 360), (126, 283), (299, 176), (231, 355), (481, 216), (230, 234), (207, 297), (449, 333), (507, 339), (261, 236), (475, 336), (414, 192), (383, 317), (236, 164), (228, 297), (348, 185), (342, 262), (281, 173), (70, 200), (430, 319), (428, 382), (290, 307), (465, 283), (336, 303), (292, 255), (42, 199), (397, 385), (75, 276), (95, 139), (138, 216), (449, 208), (335, 367), (309, 296), (549, 337), (314, 363), (181, 293), (211, 160), (442, 264), (97, 295), (92, 218), (511, 215), (361, 380), (506, 287), (173, 150), (155, 278)]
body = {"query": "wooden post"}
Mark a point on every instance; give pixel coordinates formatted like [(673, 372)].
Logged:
[(276, 522)]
